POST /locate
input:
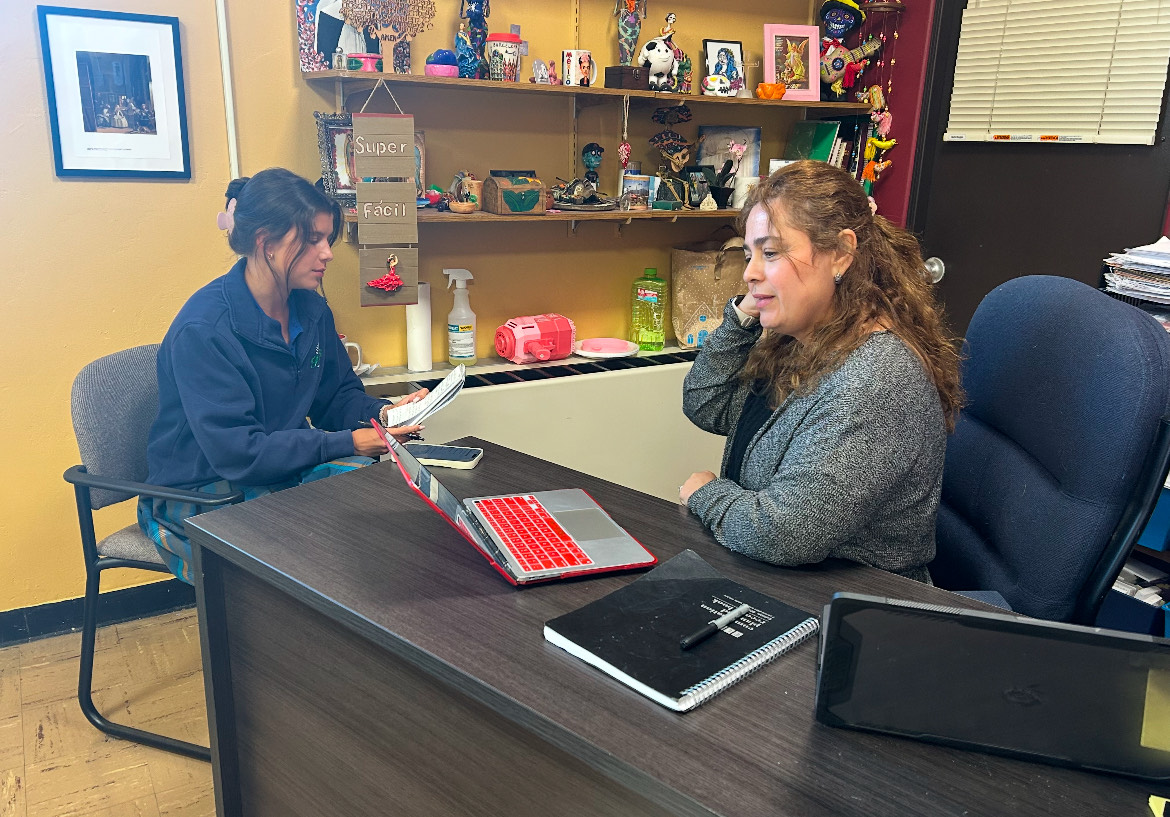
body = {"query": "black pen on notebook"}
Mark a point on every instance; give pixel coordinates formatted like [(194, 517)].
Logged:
[(710, 628)]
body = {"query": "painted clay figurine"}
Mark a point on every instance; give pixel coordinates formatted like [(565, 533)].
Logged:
[(591, 158), (476, 13), (675, 149), (630, 14), (465, 56), (840, 66)]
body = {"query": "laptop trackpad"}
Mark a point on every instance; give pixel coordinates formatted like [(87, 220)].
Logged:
[(588, 525)]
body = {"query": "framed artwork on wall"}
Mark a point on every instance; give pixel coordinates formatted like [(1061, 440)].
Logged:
[(714, 148), (792, 56), (321, 30), (115, 91), (724, 58)]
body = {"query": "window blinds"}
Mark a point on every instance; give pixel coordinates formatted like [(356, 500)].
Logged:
[(1045, 71)]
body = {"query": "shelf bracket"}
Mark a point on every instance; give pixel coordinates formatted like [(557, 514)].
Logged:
[(573, 226)]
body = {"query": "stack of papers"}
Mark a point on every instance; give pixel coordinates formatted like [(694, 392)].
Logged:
[(410, 414), (1142, 272)]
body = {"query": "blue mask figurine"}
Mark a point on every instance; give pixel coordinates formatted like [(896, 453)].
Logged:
[(591, 158)]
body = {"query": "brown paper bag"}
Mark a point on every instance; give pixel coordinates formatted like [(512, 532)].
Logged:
[(704, 276)]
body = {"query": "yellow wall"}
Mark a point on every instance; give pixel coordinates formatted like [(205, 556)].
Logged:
[(107, 264)]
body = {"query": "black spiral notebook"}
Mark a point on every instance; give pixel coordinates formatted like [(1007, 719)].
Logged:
[(633, 633)]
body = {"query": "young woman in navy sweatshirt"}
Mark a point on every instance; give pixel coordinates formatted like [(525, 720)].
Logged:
[(256, 390)]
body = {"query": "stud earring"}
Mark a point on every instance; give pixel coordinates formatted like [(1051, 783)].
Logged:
[(836, 278)]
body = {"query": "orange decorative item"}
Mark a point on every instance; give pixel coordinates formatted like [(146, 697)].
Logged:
[(771, 90)]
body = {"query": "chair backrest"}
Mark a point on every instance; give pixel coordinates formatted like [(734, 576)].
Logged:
[(114, 402), (1066, 390)]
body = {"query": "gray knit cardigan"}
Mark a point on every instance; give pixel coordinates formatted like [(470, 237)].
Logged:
[(852, 470)]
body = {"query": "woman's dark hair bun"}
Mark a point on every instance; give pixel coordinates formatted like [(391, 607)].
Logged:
[(234, 187), (273, 202)]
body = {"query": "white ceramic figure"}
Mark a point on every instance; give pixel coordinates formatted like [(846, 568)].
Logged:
[(658, 56)]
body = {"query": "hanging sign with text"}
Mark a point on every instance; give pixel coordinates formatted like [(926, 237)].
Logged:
[(383, 145), (387, 213)]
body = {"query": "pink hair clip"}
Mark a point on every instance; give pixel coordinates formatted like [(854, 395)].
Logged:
[(227, 219)]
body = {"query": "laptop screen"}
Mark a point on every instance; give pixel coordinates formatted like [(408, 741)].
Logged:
[(426, 482), (1002, 683)]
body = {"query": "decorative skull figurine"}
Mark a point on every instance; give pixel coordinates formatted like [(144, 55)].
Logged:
[(717, 85)]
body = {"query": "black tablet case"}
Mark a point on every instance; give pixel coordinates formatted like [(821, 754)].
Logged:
[(1012, 685)]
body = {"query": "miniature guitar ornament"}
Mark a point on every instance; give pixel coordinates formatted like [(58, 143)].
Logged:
[(836, 58)]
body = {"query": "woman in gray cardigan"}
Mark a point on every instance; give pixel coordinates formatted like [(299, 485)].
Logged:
[(832, 379)]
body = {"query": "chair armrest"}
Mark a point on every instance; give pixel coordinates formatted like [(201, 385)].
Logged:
[(77, 475)]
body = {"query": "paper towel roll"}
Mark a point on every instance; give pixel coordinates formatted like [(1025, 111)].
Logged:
[(418, 331)]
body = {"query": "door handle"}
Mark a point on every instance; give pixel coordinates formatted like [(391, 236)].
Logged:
[(934, 269)]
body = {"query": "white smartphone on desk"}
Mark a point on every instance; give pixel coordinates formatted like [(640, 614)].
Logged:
[(445, 456)]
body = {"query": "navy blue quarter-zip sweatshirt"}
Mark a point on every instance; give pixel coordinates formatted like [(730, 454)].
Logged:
[(236, 401)]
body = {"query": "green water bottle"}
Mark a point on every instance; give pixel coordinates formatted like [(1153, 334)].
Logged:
[(648, 311)]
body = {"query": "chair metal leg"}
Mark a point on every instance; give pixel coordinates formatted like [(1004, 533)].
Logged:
[(85, 684)]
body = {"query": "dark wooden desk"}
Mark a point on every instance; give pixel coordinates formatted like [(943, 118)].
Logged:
[(362, 658)]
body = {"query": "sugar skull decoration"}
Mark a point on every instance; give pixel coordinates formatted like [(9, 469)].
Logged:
[(717, 85)]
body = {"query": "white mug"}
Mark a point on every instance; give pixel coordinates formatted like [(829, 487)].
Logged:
[(349, 344), (578, 68)]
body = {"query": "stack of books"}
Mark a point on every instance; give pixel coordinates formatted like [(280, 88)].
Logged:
[(1142, 273)]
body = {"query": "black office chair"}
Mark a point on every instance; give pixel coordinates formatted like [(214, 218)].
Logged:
[(1061, 451), (114, 402)]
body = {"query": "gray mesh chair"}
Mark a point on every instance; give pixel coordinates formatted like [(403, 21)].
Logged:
[(114, 402)]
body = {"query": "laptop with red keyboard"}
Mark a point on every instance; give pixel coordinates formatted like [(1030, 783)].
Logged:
[(531, 537)]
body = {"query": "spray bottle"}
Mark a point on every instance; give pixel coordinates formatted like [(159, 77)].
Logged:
[(460, 321)]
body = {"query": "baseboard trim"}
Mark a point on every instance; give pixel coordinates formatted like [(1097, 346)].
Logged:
[(44, 620)]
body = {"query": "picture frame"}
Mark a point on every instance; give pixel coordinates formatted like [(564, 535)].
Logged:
[(637, 190), (335, 146), (712, 147), (116, 100), (724, 58), (321, 28), (792, 56), (338, 170)]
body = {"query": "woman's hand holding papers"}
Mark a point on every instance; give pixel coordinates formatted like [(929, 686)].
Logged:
[(368, 443)]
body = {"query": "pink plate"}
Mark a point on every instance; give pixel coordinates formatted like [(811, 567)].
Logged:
[(606, 347)]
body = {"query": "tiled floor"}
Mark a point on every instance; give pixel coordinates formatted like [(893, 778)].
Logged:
[(53, 763)]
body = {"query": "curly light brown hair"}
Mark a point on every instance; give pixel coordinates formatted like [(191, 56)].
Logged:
[(884, 285)]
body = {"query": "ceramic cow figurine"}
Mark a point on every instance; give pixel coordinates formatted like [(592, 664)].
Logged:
[(658, 56)]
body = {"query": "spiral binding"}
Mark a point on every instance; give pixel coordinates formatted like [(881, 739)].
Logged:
[(711, 686)]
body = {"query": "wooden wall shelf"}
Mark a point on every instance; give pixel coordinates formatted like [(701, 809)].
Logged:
[(427, 216), (566, 90)]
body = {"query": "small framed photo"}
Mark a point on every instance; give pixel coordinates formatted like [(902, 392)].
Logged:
[(335, 144), (724, 58), (636, 189), (115, 88), (792, 56)]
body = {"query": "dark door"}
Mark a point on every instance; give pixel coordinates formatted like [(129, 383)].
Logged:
[(993, 212)]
